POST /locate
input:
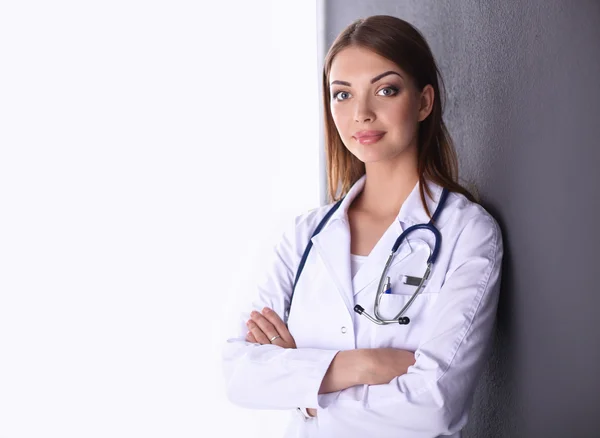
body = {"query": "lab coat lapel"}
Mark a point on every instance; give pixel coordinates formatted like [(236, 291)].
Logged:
[(333, 246)]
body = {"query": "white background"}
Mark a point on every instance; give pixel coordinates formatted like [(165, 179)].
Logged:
[(151, 153)]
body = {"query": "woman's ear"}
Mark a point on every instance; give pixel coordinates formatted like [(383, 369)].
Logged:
[(426, 102)]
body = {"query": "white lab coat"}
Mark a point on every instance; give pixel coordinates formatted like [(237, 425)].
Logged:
[(450, 330)]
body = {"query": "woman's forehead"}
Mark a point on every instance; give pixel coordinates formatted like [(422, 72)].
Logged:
[(360, 64)]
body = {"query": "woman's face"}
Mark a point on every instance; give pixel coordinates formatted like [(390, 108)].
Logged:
[(372, 96)]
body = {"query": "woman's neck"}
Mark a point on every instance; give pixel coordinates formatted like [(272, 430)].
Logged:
[(386, 188)]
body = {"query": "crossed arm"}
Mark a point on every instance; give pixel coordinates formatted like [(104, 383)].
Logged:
[(373, 366)]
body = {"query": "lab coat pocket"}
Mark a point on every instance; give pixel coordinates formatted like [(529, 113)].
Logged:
[(391, 304)]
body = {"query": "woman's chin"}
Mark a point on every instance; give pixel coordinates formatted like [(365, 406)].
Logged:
[(371, 158)]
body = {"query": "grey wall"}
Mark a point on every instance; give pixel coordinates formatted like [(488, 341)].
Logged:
[(523, 109)]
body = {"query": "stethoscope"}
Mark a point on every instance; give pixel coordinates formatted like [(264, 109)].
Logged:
[(383, 284)]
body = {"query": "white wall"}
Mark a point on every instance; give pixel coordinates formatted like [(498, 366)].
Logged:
[(150, 155)]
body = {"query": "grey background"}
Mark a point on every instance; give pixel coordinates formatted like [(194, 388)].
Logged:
[(523, 109)]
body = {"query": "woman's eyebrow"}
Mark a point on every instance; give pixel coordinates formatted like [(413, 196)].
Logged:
[(375, 79)]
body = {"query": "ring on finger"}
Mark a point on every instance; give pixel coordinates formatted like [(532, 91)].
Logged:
[(273, 338)]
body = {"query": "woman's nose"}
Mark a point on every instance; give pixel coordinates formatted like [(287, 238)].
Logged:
[(363, 112)]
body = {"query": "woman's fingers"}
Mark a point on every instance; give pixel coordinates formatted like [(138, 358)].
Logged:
[(263, 327), (250, 338), (279, 325), (270, 325), (268, 330), (257, 332)]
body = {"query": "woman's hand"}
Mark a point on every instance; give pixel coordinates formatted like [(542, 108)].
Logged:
[(265, 326), (383, 364)]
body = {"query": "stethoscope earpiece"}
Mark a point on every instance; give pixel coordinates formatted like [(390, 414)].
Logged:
[(404, 320)]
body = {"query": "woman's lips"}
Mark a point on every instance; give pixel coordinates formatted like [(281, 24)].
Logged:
[(369, 139)]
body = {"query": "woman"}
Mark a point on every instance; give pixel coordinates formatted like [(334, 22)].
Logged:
[(389, 160)]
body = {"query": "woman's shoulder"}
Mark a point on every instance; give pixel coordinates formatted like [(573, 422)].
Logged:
[(462, 214)]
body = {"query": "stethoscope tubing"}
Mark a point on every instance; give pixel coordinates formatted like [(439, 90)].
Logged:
[(400, 318)]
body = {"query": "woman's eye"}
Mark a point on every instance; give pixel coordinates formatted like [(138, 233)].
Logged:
[(339, 93), (389, 91)]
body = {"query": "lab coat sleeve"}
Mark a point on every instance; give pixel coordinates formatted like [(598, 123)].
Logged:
[(268, 376), (434, 397)]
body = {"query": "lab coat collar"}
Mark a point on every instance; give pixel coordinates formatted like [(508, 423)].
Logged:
[(411, 212)]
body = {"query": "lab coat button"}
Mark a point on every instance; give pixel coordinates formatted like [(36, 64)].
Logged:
[(343, 329)]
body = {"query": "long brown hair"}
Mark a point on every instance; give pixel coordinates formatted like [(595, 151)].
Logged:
[(398, 41)]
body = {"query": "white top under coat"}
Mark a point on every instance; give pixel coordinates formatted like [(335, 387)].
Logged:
[(357, 261)]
